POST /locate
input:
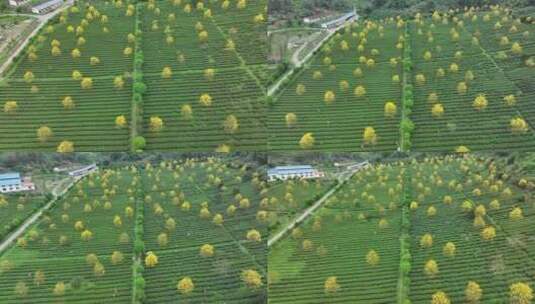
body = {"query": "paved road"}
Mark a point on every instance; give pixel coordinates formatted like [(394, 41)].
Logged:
[(57, 192), (43, 19), (342, 177)]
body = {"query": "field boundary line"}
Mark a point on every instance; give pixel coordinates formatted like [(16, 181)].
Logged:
[(243, 63), (246, 251)]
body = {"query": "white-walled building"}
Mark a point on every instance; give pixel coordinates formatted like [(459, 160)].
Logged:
[(84, 170), (17, 3), (13, 182), (46, 7), (293, 172)]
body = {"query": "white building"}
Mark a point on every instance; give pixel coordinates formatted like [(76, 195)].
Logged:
[(17, 3), (12, 182), (47, 6), (84, 170), (293, 172), (340, 20)]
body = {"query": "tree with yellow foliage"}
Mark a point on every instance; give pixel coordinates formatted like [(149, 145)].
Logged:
[(44, 133), (518, 125), (520, 293), (86, 235), (449, 249), (307, 141), (185, 286), (291, 119), (231, 124), (151, 259), (207, 251), (117, 258), (369, 136), (120, 121), (372, 258), (68, 103), (86, 83), (431, 268), (426, 241), (10, 107), (440, 297), (480, 102), (156, 124), (331, 285), (473, 292), (329, 97), (254, 235), (167, 72), (205, 100), (59, 289), (488, 233), (516, 214), (65, 147), (360, 91), (251, 278), (390, 109), (300, 89)]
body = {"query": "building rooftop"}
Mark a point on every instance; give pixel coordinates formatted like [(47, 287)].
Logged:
[(7, 179)]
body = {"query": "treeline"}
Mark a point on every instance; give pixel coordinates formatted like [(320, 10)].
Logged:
[(304, 8), (384, 8)]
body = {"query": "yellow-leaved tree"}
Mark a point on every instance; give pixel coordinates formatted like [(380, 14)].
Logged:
[(307, 141), (331, 285), (185, 286), (251, 278)]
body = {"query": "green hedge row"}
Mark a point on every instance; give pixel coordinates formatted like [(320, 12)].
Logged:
[(139, 248), (407, 126), (405, 262), (139, 88)]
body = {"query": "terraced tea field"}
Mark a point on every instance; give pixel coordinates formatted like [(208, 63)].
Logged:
[(120, 76), (435, 83), (15, 209), (286, 199), (214, 230), (433, 230), (189, 230)]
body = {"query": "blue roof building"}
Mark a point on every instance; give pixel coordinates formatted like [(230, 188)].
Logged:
[(10, 182)]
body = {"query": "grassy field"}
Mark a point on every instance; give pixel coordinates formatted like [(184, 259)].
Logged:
[(211, 186), (339, 124), (149, 61), (15, 209), (286, 199), (453, 199), (341, 235), (54, 251), (98, 239), (444, 64)]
